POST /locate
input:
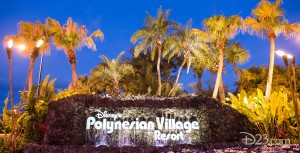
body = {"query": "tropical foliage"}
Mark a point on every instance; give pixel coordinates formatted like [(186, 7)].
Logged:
[(268, 19), (163, 48), (221, 29), (181, 43), (29, 124), (70, 38), (153, 36), (274, 117), (256, 77), (36, 39), (144, 81), (111, 72)]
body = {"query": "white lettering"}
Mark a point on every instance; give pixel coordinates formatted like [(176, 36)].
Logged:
[(179, 125), (195, 125), (110, 127), (98, 125), (156, 135), (143, 125), (150, 125), (90, 121), (125, 125), (118, 125), (104, 114), (187, 126), (162, 136), (160, 122)]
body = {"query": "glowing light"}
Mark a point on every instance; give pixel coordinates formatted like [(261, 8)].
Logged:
[(21, 47), (280, 53), (39, 43), (289, 56), (10, 43), (245, 100)]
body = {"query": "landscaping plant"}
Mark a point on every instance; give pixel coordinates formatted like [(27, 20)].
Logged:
[(274, 117)]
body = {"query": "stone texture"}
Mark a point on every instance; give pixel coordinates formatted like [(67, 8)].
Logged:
[(66, 119)]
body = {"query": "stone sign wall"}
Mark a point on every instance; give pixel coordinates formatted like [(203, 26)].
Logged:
[(67, 119)]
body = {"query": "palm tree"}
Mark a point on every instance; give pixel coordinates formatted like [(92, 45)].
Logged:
[(70, 38), (184, 41), (152, 36), (234, 54), (256, 77), (202, 60), (36, 39), (113, 71), (221, 29), (268, 19)]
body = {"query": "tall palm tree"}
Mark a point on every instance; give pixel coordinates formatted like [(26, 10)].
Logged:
[(234, 55), (152, 36), (71, 37), (113, 71), (221, 29), (268, 19), (202, 60), (184, 41), (36, 39)]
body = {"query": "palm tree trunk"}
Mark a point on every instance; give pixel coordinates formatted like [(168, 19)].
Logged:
[(74, 76), (116, 86), (11, 85), (177, 77), (295, 98), (158, 71), (30, 79), (72, 60), (219, 74), (199, 85), (271, 67), (221, 91)]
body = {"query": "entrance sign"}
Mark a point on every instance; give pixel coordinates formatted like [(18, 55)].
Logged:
[(142, 126), (90, 123)]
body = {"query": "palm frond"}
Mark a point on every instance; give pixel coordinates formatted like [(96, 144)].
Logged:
[(98, 33), (291, 30), (235, 54), (53, 26), (140, 34), (140, 47), (252, 26), (118, 59)]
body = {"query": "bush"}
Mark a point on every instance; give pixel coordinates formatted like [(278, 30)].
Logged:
[(29, 126), (274, 117)]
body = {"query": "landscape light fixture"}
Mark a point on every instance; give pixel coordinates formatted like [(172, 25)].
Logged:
[(9, 55), (21, 47), (38, 45), (293, 86)]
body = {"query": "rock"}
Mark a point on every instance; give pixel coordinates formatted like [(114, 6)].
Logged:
[(66, 121)]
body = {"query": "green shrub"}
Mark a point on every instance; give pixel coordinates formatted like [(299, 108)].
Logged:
[(274, 117), (29, 126)]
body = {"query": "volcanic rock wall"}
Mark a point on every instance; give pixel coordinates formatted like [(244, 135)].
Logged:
[(66, 119)]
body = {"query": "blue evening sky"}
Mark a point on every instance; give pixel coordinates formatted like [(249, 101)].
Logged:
[(119, 19)]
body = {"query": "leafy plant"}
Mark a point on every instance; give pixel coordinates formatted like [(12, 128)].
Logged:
[(153, 36), (71, 37), (36, 108), (29, 126), (274, 117), (112, 71), (256, 77), (269, 20), (6, 122)]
